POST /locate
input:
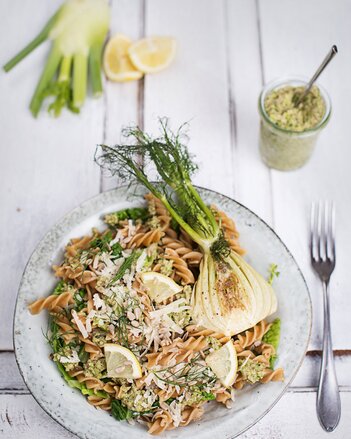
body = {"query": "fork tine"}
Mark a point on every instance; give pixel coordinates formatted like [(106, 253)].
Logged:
[(312, 230), (332, 231), (319, 230), (326, 228)]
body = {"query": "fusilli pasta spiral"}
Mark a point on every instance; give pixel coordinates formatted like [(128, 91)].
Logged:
[(251, 336), (195, 331), (51, 303)]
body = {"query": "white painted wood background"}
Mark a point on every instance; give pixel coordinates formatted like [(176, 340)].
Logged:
[(227, 49)]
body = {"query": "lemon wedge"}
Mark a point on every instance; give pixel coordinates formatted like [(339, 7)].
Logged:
[(159, 287), (121, 362), (224, 363), (152, 54), (116, 62)]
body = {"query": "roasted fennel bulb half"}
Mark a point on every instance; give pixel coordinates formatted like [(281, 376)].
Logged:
[(229, 295)]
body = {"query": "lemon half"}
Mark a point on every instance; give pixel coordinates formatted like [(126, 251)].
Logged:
[(224, 363), (152, 54), (116, 62), (158, 286), (121, 362)]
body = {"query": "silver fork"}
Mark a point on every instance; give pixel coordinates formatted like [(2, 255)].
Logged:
[(323, 260)]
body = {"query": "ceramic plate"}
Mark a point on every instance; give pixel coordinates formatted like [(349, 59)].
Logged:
[(68, 407)]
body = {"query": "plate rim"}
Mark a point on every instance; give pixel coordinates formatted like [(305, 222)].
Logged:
[(127, 187)]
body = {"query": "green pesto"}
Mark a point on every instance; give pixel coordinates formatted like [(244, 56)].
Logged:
[(112, 219), (152, 254), (214, 343), (65, 351), (166, 266), (62, 287), (128, 397), (95, 368), (196, 396), (181, 318), (99, 338), (280, 108), (251, 370)]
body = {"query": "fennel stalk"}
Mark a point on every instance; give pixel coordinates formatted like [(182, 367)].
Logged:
[(78, 30)]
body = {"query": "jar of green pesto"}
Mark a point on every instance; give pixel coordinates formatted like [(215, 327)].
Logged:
[(288, 134)]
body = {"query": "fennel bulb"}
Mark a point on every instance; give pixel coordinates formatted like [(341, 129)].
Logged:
[(229, 295)]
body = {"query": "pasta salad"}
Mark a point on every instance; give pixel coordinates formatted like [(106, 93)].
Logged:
[(122, 329)]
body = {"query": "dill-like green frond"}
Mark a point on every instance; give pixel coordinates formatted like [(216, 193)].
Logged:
[(175, 166)]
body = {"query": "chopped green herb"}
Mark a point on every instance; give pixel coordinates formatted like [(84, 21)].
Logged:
[(134, 213), (117, 249), (207, 396), (102, 242), (127, 263), (121, 412), (273, 272), (83, 354), (60, 287), (79, 300), (192, 371), (54, 338)]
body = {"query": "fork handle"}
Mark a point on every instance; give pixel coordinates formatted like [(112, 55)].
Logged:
[(328, 397)]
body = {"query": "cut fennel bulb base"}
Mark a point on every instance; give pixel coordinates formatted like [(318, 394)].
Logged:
[(230, 296)]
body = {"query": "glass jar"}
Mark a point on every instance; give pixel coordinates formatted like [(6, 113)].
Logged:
[(284, 149)]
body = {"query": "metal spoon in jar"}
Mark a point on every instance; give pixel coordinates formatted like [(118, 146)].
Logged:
[(298, 98)]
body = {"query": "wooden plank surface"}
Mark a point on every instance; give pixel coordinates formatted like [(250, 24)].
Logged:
[(294, 44), (41, 159), (123, 101), (195, 88), (252, 177), (292, 417)]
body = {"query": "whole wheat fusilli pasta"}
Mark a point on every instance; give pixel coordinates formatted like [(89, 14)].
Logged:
[(102, 301)]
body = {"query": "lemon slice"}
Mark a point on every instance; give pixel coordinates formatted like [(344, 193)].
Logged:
[(121, 362), (224, 363), (116, 62), (159, 287), (152, 54)]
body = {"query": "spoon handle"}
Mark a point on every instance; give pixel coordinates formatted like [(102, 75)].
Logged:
[(332, 52)]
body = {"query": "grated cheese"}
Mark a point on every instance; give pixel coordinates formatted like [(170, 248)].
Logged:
[(172, 307), (70, 359), (98, 302), (175, 410), (88, 320), (141, 261), (172, 325), (79, 324)]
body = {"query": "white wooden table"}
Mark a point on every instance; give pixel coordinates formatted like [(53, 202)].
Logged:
[(226, 51)]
